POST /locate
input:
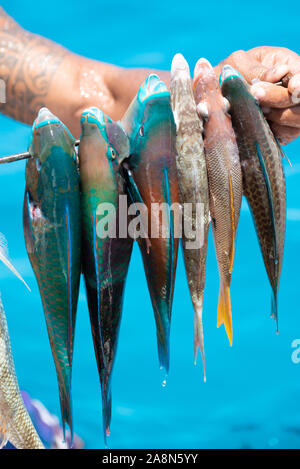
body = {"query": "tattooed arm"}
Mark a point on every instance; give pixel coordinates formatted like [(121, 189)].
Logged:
[(38, 72)]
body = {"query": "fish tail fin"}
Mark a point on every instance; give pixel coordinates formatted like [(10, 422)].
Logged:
[(274, 307), (199, 336), (282, 152), (4, 433), (106, 408), (164, 354), (66, 411), (224, 311), (220, 314)]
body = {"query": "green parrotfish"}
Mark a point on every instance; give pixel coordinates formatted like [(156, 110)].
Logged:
[(152, 181), (106, 255), (52, 229), (263, 176)]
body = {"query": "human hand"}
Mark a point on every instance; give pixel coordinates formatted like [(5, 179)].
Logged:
[(263, 67)]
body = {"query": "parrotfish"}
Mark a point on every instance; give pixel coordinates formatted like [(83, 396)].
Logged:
[(106, 254), (15, 423), (224, 179), (193, 188), (52, 229), (263, 176), (150, 125)]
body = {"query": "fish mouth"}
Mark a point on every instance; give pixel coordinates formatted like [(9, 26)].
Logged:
[(202, 66), (180, 66), (152, 86), (203, 70), (95, 112), (45, 117), (229, 73)]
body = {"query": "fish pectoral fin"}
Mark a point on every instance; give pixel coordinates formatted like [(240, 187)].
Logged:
[(135, 197), (106, 410), (282, 152), (224, 312)]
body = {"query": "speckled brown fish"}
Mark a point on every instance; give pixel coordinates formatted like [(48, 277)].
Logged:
[(150, 126), (193, 188), (263, 176), (224, 178)]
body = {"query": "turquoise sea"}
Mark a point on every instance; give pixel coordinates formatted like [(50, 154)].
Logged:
[(251, 398)]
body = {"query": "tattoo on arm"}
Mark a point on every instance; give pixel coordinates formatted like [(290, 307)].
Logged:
[(28, 64)]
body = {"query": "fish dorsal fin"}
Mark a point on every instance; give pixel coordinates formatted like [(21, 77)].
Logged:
[(4, 257)]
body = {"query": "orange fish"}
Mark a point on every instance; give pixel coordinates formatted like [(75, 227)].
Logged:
[(224, 178)]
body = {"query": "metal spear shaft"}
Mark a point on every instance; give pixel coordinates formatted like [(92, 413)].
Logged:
[(21, 156)]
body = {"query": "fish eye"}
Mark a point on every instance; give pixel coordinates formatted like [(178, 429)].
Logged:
[(226, 105), (141, 131), (38, 164), (113, 153), (202, 110)]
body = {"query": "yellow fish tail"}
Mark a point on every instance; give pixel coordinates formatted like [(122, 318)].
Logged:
[(224, 311)]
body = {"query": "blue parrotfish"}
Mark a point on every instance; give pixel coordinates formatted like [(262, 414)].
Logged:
[(150, 126), (106, 256)]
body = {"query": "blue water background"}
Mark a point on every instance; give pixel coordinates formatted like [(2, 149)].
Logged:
[(251, 398)]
